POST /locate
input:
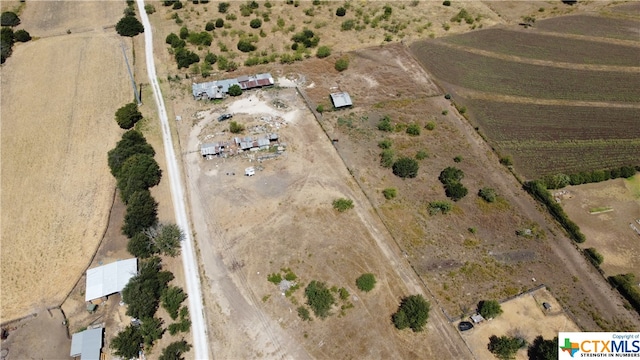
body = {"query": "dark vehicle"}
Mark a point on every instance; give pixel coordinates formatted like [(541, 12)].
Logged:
[(465, 325), (224, 117)]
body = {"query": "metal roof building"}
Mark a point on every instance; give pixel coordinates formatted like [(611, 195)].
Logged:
[(341, 99), (108, 279), (87, 344), (217, 89)]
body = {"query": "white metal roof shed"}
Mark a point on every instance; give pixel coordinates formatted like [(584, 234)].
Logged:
[(109, 279), (87, 344), (341, 99)]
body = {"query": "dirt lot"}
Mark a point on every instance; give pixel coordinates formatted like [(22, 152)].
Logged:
[(523, 316), (604, 211), (41, 337), (57, 126)]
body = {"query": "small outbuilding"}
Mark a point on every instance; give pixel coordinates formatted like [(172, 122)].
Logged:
[(477, 318), (109, 279), (87, 345), (341, 99)]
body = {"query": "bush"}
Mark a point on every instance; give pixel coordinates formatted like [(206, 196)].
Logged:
[(202, 38), (366, 282), (626, 286), (323, 52), (185, 58), (149, 9), (413, 313), (304, 314), (386, 158), (184, 32), (446, 3), (223, 7), (342, 204), (406, 167), (457, 159), (255, 23), (430, 125), (506, 160), (319, 298), (488, 194), (505, 347), (413, 130), (9, 18), (210, 26), (489, 309), (320, 108), (385, 124), (7, 43), (385, 144), (235, 127), (128, 115), (177, 5), (210, 58), (450, 178), (246, 45), (342, 64), (172, 297), (129, 26), (436, 207), (389, 193), (275, 278), (456, 191), (219, 22), (341, 11), (594, 256), (422, 154), (22, 35)]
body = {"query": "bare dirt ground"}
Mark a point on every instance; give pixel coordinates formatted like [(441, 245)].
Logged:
[(57, 126), (523, 316), (248, 227), (605, 212), (41, 337)]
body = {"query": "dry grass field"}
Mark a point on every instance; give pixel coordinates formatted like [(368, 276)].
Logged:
[(523, 316), (59, 95), (604, 212)]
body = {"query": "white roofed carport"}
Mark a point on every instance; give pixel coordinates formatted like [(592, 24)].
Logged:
[(111, 278)]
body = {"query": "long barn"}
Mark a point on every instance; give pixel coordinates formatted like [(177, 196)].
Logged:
[(218, 89)]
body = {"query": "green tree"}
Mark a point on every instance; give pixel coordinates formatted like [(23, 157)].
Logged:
[(168, 239), (132, 142), (149, 9), (489, 309), (172, 297), (342, 204), (366, 282), (223, 7), (319, 298), (505, 347), (436, 207), (129, 26), (141, 246), (542, 349), (7, 41), (255, 23), (9, 18), (348, 25), (139, 172), (127, 343), (174, 350), (142, 292), (389, 193), (235, 127), (450, 175), (185, 58), (385, 124), (245, 45), (304, 314), (341, 11), (456, 191), (128, 115), (211, 58), (488, 194), (235, 90), (594, 256), (413, 312), (413, 130), (22, 35), (210, 26), (142, 213), (342, 64), (406, 167), (323, 52), (151, 330), (219, 22)]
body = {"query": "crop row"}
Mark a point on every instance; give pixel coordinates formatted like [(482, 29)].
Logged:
[(511, 121), (492, 75), (547, 47), (597, 26)]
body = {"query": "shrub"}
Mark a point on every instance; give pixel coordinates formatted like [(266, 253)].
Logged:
[(319, 298), (413, 130), (446, 3), (275, 278), (210, 26), (223, 7), (406, 167), (436, 207), (149, 9), (304, 314), (341, 11), (386, 158), (342, 204), (450, 178), (185, 58), (172, 297), (174, 350), (626, 286), (348, 25), (128, 115), (488, 194), (7, 42), (489, 309), (320, 108), (255, 23), (245, 45), (202, 38), (389, 193), (457, 159), (235, 127), (447, 96), (219, 22), (505, 347), (129, 26), (385, 144), (323, 52), (413, 313), (22, 35), (456, 191), (210, 58), (366, 282), (385, 124), (594, 256), (430, 125), (177, 5), (422, 154), (9, 18), (342, 64), (506, 160), (235, 90)]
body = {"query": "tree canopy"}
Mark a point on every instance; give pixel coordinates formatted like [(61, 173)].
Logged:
[(143, 291), (127, 343), (406, 167), (505, 347), (235, 90), (172, 297), (450, 178), (142, 213), (138, 172), (413, 313), (129, 26), (319, 298), (366, 282), (22, 35), (489, 309), (132, 142), (128, 115), (141, 246), (9, 18), (175, 349), (542, 349)]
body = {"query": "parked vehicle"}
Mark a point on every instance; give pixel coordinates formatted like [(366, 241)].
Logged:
[(224, 117)]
